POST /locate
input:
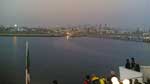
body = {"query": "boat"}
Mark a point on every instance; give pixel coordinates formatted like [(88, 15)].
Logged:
[(143, 76), (68, 35)]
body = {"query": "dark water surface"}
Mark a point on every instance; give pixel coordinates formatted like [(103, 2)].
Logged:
[(65, 60)]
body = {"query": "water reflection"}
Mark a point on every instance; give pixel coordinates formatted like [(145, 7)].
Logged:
[(14, 49), (14, 40), (61, 59)]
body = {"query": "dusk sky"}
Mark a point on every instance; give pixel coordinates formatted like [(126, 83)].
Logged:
[(117, 13)]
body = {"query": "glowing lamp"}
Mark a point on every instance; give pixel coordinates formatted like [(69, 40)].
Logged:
[(126, 81), (114, 80)]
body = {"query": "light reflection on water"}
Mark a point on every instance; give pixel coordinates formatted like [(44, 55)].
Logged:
[(58, 58), (15, 40)]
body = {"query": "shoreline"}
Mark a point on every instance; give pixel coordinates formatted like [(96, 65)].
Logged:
[(29, 35), (52, 35)]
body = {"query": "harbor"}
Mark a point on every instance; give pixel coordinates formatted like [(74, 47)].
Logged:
[(73, 58), (74, 42), (95, 31)]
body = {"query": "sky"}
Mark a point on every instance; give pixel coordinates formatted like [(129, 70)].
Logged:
[(117, 13)]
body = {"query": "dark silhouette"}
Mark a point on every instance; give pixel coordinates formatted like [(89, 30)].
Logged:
[(132, 63), (148, 81), (130, 81), (128, 64), (137, 67), (87, 80), (55, 82), (136, 81)]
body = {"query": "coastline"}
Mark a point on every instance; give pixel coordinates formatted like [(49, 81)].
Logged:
[(30, 35), (58, 35)]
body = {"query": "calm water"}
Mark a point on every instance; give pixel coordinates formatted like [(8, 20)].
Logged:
[(66, 60)]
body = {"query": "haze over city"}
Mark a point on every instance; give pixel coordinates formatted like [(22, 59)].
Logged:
[(74, 41), (117, 13)]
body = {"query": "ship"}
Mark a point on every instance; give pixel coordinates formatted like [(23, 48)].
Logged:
[(143, 76), (68, 35)]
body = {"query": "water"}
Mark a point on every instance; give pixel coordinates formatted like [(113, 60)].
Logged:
[(65, 60)]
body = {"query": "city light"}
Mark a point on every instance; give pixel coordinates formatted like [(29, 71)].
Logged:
[(15, 25), (68, 35)]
